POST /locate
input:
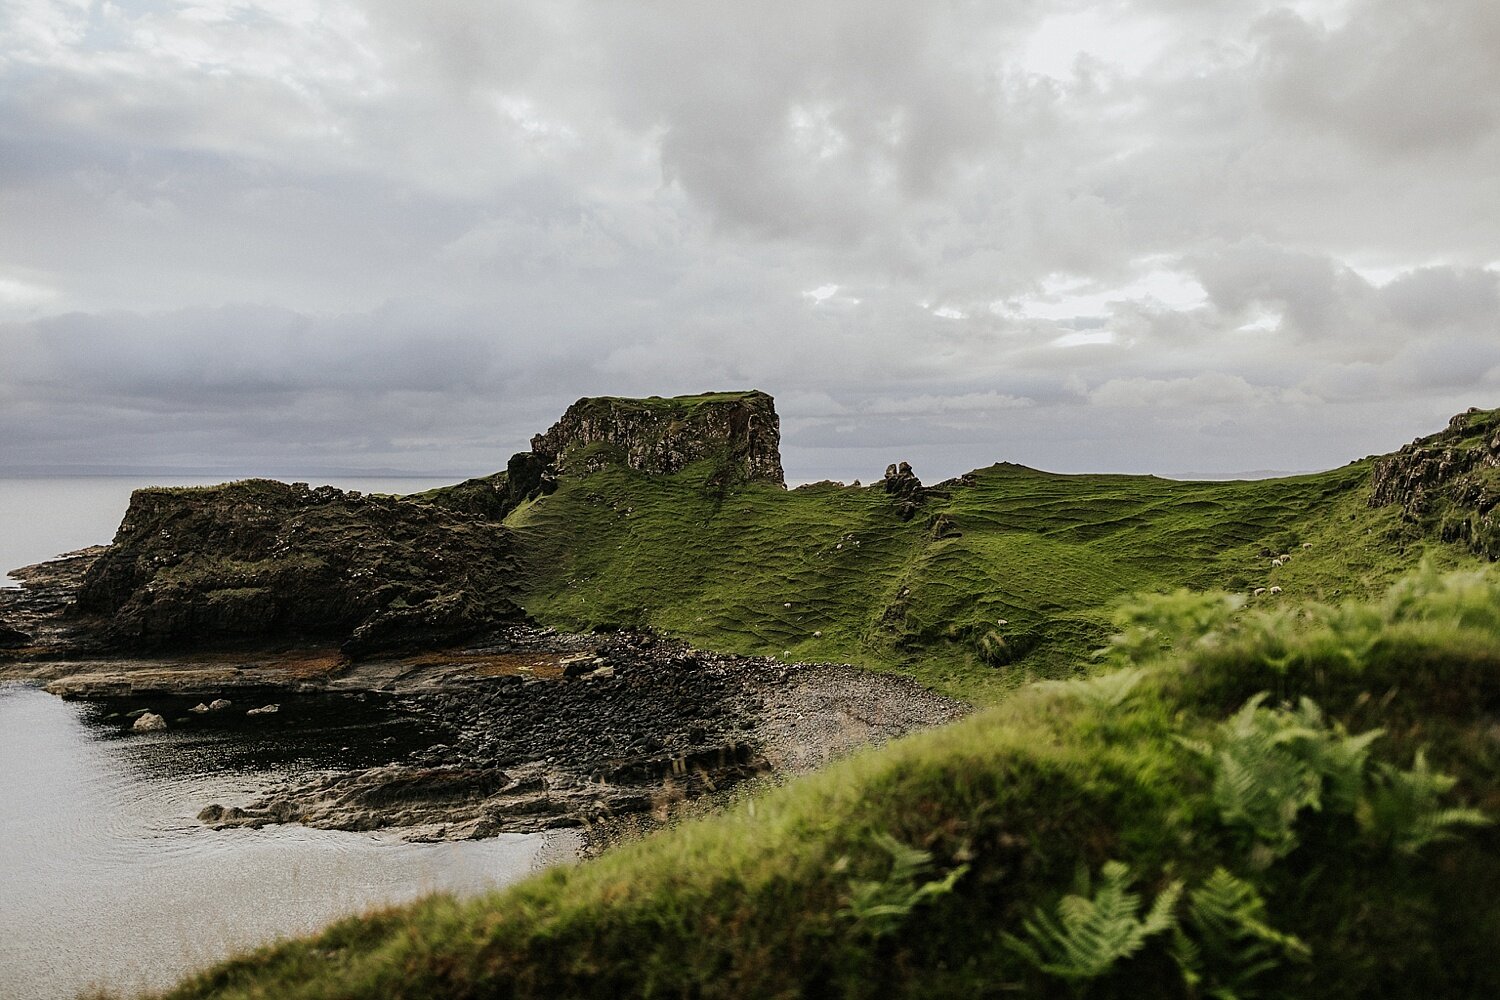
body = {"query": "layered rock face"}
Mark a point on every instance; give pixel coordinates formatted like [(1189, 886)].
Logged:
[(259, 558), (1451, 478), (656, 435)]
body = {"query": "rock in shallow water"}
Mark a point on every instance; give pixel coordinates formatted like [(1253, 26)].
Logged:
[(149, 722)]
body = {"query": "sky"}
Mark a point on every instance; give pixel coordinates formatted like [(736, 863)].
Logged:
[(1160, 236)]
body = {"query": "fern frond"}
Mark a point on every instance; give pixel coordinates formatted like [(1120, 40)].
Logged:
[(1227, 942), (1104, 692), (1402, 811), (878, 907), (1090, 933)]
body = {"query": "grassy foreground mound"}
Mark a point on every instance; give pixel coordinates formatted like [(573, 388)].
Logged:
[(1287, 802), (1006, 574)]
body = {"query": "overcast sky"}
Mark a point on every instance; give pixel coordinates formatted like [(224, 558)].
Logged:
[(1168, 236)]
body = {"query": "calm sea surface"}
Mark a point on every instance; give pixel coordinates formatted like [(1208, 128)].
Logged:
[(43, 517), (107, 878)]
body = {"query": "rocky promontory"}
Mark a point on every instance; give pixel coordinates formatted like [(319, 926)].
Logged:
[(260, 560), (269, 592)]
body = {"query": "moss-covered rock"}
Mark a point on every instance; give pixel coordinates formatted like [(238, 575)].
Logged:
[(259, 559)]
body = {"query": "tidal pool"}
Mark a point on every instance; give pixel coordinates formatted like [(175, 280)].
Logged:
[(107, 878)]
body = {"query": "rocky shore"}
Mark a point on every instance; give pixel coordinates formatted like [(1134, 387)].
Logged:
[(542, 729), (248, 593)]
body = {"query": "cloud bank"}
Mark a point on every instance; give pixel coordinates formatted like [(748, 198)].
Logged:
[(1142, 236)]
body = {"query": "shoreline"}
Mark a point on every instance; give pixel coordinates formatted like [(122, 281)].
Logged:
[(548, 730)]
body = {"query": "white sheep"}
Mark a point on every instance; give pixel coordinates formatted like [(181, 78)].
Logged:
[(1258, 591), (1307, 545), (1276, 564), (1275, 590)]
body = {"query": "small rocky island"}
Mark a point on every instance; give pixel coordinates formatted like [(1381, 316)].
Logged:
[(253, 591)]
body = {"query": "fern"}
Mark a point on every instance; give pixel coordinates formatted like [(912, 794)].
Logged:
[(1091, 931), (1402, 809), (1271, 764), (878, 907), (1154, 623), (1107, 691), (1227, 943)]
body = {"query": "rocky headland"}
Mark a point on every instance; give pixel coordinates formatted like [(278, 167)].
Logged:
[(251, 591), (247, 592)]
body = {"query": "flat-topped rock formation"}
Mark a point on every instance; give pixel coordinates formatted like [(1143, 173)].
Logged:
[(660, 435)]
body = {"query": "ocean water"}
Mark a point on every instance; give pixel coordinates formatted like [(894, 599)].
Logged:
[(42, 517), (107, 879)]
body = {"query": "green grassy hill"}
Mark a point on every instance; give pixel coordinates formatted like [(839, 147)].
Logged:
[(1182, 826), (831, 573)]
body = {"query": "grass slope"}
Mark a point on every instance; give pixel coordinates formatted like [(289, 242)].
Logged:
[(831, 573), (1309, 863)]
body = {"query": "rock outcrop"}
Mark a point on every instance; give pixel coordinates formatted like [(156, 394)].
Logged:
[(740, 430), (259, 559), (903, 485), (1449, 481), (527, 476)]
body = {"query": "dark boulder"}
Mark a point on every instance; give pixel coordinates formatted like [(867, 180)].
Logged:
[(903, 486)]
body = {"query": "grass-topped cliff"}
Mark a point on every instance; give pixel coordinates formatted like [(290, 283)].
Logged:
[(1286, 802), (831, 572)]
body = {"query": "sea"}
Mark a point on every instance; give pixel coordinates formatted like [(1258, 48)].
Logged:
[(108, 880)]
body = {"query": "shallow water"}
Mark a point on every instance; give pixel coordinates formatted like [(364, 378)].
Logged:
[(106, 877)]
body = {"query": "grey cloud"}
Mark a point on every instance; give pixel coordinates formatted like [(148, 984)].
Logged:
[(454, 219), (1400, 77)]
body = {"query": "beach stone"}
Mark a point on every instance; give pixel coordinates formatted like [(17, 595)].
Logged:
[(149, 722)]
